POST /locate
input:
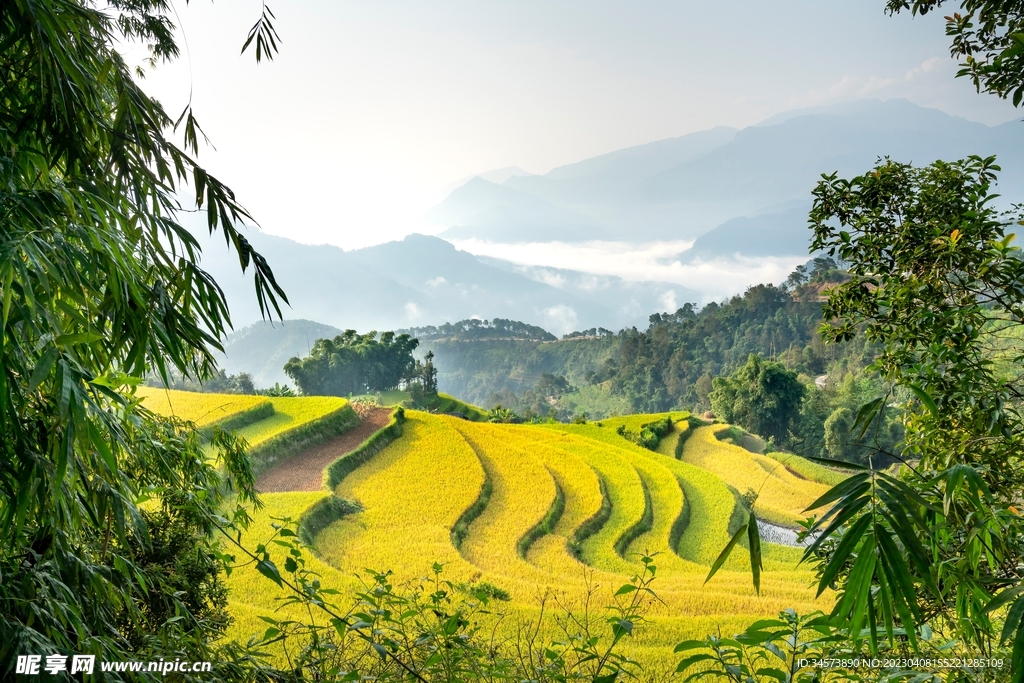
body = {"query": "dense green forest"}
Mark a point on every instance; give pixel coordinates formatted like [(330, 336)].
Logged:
[(671, 364)]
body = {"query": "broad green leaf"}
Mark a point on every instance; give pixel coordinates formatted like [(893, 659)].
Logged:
[(926, 399), (724, 555), (269, 570)]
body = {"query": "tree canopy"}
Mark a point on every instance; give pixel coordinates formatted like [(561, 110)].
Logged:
[(762, 396), (353, 363)]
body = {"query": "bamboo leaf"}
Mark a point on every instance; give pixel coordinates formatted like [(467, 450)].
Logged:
[(724, 555)]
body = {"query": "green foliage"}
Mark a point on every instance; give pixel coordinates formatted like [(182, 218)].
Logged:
[(183, 579), (846, 394), (791, 648), (649, 434), (353, 363), (481, 330), (762, 396), (488, 590), (503, 415), (100, 286), (988, 36), (218, 382), (837, 434), (931, 267), (278, 390), (658, 369), (432, 630)]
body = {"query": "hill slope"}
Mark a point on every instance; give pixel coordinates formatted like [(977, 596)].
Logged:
[(423, 279)]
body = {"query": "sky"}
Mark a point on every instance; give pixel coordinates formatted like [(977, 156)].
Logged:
[(372, 108)]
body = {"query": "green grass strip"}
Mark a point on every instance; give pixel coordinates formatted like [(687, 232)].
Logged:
[(461, 528), (645, 524), (592, 525), (675, 534), (546, 525), (336, 472), (691, 425), (322, 514)]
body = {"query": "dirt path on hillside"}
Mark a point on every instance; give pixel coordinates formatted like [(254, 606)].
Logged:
[(305, 471)]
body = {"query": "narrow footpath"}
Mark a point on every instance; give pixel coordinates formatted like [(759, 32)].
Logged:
[(305, 471)]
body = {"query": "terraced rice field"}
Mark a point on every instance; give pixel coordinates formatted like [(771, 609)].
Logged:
[(201, 409), (290, 413), (538, 508), (781, 495)]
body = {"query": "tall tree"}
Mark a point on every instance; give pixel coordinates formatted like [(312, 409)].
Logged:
[(762, 396), (353, 363), (937, 285)]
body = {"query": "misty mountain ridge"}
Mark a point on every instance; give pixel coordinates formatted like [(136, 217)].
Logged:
[(425, 280), (683, 187)]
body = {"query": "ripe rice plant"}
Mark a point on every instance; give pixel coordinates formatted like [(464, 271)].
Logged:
[(203, 410), (781, 495), (412, 493), (808, 469), (523, 492), (290, 413)]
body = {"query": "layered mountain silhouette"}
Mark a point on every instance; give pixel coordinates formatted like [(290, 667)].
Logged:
[(425, 280), (742, 184)]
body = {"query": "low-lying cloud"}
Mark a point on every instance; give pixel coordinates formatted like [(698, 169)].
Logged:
[(654, 261)]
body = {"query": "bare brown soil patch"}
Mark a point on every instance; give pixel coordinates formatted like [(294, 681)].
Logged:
[(305, 471)]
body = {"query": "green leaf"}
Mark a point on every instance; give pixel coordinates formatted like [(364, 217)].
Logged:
[(926, 399), (42, 369), (724, 555), (855, 484), (842, 552), (690, 645), (754, 543), (691, 660), (102, 447), (626, 589), (1014, 620), (1004, 598), (269, 570), (79, 338)]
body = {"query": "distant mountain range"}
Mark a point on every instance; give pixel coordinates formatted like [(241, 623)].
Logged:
[(750, 186), (425, 280)]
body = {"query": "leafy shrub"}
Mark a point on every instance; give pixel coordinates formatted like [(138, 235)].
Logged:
[(430, 628), (649, 435)]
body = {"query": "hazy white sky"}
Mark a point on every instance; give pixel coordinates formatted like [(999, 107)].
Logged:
[(371, 108)]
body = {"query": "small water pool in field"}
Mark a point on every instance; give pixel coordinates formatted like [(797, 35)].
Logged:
[(773, 533)]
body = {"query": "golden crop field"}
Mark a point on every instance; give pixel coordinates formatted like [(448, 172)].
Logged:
[(781, 495), (201, 409), (289, 413), (415, 491)]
